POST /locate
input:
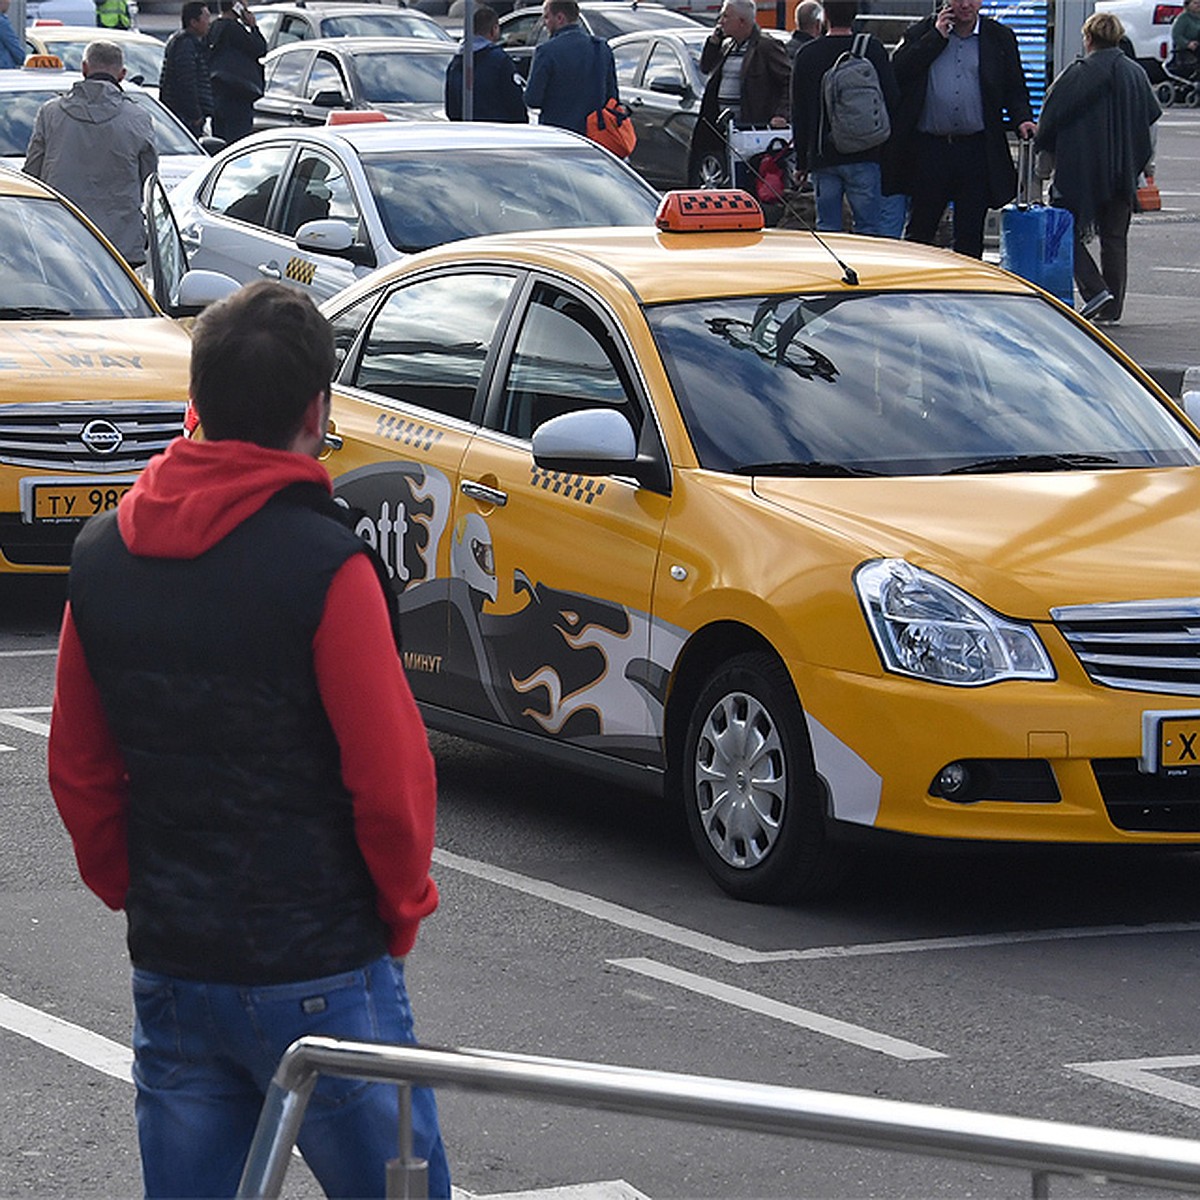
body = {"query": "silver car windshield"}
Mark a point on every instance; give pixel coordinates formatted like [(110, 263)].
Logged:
[(402, 78), (906, 384), (429, 197)]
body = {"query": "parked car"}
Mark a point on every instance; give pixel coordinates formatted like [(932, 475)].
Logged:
[(68, 12), (522, 29), (281, 24), (819, 553), (320, 208), (95, 376), (143, 53), (659, 77), (24, 91), (1148, 26), (306, 81)]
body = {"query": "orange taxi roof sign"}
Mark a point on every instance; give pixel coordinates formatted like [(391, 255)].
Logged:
[(355, 116), (44, 62), (702, 210)]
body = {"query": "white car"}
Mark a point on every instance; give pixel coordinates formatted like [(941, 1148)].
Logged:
[(321, 207), (1148, 25), (24, 91), (143, 54)]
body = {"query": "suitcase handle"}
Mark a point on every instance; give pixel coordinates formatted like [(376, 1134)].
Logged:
[(1025, 180)]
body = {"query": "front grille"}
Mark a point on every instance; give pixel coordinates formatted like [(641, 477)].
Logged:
[(1147, 803), (87, 435), (1144, 646)]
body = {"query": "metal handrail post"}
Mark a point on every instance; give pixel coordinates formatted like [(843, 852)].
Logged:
[(278, 1125), (407, 1176)]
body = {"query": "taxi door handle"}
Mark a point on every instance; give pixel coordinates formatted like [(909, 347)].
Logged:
[(270, 270), (483, 493)]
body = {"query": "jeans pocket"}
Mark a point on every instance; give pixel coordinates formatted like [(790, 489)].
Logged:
[(157, 1044)]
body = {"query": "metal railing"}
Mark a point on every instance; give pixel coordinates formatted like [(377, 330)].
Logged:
[(1044, 1148)]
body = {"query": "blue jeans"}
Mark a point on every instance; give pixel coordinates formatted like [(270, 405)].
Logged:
[(204, 1055), (859, 183)]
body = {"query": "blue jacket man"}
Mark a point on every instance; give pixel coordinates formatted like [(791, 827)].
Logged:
[(498, 94), (569, 70), (12, 51)]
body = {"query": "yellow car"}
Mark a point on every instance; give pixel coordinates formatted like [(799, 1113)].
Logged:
[(817, 536), (93, 376)]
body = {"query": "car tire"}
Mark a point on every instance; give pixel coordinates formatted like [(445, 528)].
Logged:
[(749, 787), (711, 171)]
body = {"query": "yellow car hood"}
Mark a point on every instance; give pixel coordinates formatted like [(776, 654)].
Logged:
[(136, 359), (1021, 543)]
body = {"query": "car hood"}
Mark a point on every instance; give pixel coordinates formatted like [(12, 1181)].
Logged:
[(136, 359), (1021, 543)]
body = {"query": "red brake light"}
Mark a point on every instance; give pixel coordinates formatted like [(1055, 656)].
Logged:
[(705, 210)]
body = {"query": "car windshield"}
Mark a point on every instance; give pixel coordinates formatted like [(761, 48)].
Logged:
[(143, 60), (429, 197), (611, 24), (52, 266), (403, 78), (906, 384), (18, 111), (382, 24)]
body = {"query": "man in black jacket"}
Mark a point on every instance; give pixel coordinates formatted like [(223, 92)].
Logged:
[(498, 94), (184, 85), (235, 50), (961, 85)]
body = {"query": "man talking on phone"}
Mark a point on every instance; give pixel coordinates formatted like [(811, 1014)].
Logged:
[(235, 48), (962, 87)]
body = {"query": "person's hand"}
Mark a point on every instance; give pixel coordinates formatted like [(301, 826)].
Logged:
[(944, 21), (1026, 130)]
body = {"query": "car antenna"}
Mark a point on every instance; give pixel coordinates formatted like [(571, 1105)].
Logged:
[(849, 274)]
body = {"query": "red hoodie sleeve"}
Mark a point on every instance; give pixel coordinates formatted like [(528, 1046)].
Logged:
[(386, 763), (87, 774)]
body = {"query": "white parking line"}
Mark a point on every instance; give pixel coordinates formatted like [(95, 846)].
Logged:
[(639, 922), (93, 1050), (1139, 1074), (20, 718), (28, 653), (844, 1031)]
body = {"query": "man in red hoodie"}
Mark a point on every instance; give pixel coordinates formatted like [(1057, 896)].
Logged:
[(237, 756)]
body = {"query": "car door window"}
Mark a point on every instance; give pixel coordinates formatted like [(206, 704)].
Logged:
[(318, 189), (267, 22), (325, 76), (245, 184), (522, 31), (565, 359), (293, 29), (412, 357), (288, 72), (627, 59), (347, 323), (664, 66)]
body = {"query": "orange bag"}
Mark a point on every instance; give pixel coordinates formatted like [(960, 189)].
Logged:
[(612, 128), (1148, 197)]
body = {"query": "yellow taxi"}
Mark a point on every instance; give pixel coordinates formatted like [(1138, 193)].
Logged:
[(93, 375), (820, 536)]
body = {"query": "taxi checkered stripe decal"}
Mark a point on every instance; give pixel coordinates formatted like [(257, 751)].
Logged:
[(573, 487), (301, 270), (715, 204), (409, 433)]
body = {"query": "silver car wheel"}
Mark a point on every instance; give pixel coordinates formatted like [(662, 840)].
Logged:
[(741, 781), (712, 172)]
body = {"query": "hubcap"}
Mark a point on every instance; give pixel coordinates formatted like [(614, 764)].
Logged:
[(741, 780)]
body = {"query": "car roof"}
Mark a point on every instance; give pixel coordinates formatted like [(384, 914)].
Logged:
[(339, 9), (16, 183), (367, 45), (87, 33), (661, 267), (377, 136)]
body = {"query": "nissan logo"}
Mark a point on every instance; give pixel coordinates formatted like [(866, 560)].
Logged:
[(102, 437)]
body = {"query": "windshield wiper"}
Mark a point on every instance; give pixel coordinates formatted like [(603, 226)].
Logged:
[(792, 467), (1033, 462), (32, 312)]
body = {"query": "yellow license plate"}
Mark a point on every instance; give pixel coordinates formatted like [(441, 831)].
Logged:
[(76, 501), (1179, 745)]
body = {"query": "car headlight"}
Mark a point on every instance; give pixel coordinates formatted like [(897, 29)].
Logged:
[(930, 629)]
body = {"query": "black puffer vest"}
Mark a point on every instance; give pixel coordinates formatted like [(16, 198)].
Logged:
[(243, 862)]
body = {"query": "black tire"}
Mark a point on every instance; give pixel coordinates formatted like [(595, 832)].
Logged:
[(1165, 94), (754, 811)]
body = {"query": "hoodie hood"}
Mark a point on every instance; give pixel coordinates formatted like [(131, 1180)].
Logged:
[(196, 493), (95, 101)]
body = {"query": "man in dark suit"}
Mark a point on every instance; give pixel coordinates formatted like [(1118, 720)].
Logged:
[(962, 86)]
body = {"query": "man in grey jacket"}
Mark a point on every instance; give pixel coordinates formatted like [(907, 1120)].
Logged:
[(96, 146)]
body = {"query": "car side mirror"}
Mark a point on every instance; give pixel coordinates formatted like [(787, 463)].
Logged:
[(198, 289), (329, 98), (331, 236), (669, 85), (212, 145)]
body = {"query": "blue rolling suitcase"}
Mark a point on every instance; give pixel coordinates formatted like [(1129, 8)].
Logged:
[(1036, 240)]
